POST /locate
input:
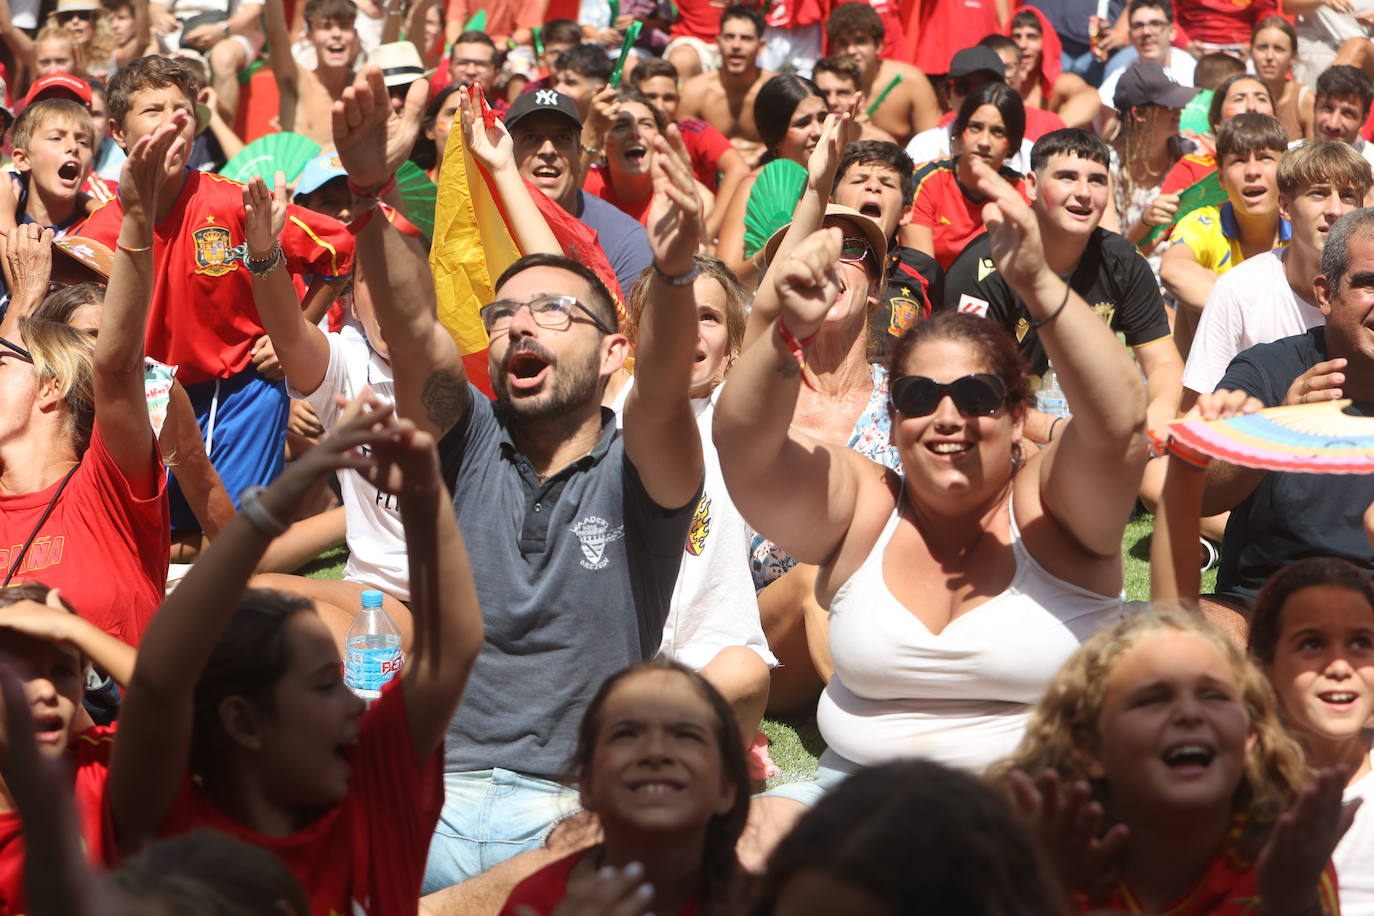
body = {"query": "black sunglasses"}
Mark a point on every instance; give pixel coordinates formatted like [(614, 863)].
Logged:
[(980, 394), (68, 15), (11, 345)]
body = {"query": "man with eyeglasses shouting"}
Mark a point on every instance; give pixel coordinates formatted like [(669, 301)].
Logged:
[(1152, 33), (1068, 188), (576, 528)]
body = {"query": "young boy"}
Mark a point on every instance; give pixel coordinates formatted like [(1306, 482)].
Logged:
[(202, 318), (308, 96), (839, 77), (52, 156), (1211, 240), (875, 178), (905, 106)]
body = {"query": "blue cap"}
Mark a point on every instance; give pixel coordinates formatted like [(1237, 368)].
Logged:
[(372, 598), (318, 172)]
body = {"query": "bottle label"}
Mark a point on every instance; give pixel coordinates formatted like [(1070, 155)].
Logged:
[(370, 669)]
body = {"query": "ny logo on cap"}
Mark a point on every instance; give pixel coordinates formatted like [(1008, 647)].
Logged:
[(545, 97)]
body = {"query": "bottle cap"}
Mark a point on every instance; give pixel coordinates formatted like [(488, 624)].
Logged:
[(372, 598)]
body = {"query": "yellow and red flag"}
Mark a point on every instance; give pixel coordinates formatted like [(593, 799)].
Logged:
[(474, 243)]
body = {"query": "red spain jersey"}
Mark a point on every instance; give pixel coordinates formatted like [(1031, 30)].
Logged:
[(954, 216), (705, 144), (202, 318), (366, 855), (89, 757), (1222, 22)]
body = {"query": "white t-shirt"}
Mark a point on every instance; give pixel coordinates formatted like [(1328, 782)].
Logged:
[(1179, 69), (934, 143), (1354, 855), (1251, 304), (376, 540), (713, 604)]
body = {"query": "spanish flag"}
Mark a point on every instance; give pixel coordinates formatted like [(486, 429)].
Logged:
[(474, 243)]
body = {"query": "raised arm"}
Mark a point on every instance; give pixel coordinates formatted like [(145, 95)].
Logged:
[(661, 438), (791, 489), (121, 406), (282, 63), (155, 722), (52, 622), (1090, 474), (443, 598), (809, 214), (17, 39), (301, 347), (431, 386)]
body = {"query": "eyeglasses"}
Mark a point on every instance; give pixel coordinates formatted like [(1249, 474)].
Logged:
[(975, 395), (855, 249), (83, 15), (552, 312), (466, 62), (23, 354), (1157, 25)]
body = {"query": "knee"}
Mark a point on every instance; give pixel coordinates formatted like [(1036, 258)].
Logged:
[(738, 673), (226, 57)]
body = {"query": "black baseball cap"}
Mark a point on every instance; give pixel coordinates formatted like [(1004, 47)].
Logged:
[(1146, 83), (976, 58), (538, 100)]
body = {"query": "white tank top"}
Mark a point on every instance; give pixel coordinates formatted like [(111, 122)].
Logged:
[(961, 698)]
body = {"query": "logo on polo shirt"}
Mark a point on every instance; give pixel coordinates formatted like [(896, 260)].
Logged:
[(595, 533)]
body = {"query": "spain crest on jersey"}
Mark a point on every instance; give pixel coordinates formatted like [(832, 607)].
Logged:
[(214, 252)]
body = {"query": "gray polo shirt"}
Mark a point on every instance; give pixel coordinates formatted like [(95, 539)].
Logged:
[(574, 575)]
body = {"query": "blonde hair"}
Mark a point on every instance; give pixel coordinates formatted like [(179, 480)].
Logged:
[(736, 300), (99, 49), (1070, 709), (1314, 162), (66, 355), (51, 31), (31, 120)]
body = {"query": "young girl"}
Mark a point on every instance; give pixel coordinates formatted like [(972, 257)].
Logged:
[(1313, 634), (659, 761), (1273, 47), (237, 718), (1177, 738)]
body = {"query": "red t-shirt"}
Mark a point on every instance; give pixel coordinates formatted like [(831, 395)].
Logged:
[(1222, 22), (90, 761), (105, 545), (1191, 169), (202, 318), (598, 184), (705, 144), (947, 28), (366, 855), (697, 19), (955, 218), (791, 14), (1229, 887), (544, 890)]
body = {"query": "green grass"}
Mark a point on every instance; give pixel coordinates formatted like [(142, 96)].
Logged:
[(795, 742)]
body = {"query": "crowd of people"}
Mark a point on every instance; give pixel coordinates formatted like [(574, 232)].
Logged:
[(826, 351)]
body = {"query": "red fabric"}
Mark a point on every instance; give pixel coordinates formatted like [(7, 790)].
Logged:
[(202, 318), (705, 144), (579, 242), (90, 764), (1038, 122), (954, 218), (947, 28), (1222, 22), (598, 183), (1051, 51), (791, 14), (101, 189), (546, 888), (1368, 130), (1188, 170), (105, 545), (367, 853), (1227, 888), (697, 19)]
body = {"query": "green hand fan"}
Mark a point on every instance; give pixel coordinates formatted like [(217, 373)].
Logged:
[(1194, 117), (266, 156), (771, 202), (1205, 192), (478, 22), (419, 195)]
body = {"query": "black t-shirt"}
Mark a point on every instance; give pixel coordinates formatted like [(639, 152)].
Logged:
[(915, 287), (1112, 277), (1289, 516)]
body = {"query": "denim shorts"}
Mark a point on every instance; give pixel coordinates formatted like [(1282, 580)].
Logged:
[(831, 770), (490, 816)]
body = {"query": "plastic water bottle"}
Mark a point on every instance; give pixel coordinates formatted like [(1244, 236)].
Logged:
[(1050, 398), (372, 649)]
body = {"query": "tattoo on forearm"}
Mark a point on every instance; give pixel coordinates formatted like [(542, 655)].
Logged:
[(445, 397), (788, 368)]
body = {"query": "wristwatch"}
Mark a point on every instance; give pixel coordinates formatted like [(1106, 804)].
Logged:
[(681, 279), (258, 515)]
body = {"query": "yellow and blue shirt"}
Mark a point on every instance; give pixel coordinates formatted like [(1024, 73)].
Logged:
[(1214, 236)]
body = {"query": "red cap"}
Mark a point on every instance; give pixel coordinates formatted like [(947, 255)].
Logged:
[(61, 86)]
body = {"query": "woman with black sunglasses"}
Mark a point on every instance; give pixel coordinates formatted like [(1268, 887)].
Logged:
[(956, 587)]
